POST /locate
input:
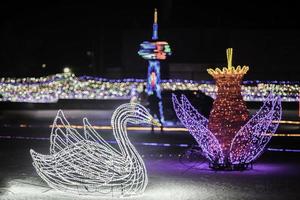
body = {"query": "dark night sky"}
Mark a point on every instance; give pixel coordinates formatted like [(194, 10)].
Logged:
[(61, 33)]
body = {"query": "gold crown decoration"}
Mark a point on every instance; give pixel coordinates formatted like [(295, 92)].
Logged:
[(230, 70)]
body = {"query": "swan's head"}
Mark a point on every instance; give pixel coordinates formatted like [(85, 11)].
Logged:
[(140, 115)]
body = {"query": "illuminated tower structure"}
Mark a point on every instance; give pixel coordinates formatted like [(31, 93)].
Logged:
[(154, 51)]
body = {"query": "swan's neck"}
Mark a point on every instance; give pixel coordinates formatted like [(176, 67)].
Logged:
[(119, 125)]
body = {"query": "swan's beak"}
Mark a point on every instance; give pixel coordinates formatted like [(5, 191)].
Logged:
[(155, 122)]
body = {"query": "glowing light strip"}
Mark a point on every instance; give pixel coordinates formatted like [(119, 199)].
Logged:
[(150, 144), (131, 128), (284, 150), (148, 128), (167, 129), (287, 122), (87, 164)]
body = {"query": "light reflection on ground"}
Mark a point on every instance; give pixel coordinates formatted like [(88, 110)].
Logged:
[(171, 179)]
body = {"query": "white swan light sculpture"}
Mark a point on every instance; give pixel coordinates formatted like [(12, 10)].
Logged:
[(87, 164)]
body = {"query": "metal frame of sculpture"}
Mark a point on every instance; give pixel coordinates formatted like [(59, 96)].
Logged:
[(86, 164)]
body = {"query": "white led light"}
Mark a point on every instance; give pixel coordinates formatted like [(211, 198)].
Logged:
[(67, 70), (67, 86), (87, 164)]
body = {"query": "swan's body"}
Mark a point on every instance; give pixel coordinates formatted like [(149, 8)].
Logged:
[(87, 164)]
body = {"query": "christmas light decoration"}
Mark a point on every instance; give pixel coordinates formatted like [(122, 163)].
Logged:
[(153, 52), (50, 89), (87, 164), (229, 139)]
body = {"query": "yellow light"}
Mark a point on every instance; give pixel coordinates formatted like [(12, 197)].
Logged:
[(230, 70), (67, 70), (166, 129), (155, 16), (287, 122)]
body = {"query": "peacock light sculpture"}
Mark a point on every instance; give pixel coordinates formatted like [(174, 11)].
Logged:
[(88, 165), (230, 139)]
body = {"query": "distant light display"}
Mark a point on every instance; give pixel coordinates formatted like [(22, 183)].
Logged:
[(67, 86), (153, 52), (86, 164), (229, 139)]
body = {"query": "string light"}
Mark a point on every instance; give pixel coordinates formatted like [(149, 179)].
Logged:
[(197, 126), (251, 139), (87, 164), (229, 112), (229, 139), (50, 89)]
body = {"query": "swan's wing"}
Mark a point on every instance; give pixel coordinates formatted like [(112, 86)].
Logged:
[(189, 108), (251, 139), (62, 134), (81, 166), (204, 137), (92, 135), (42, 165)]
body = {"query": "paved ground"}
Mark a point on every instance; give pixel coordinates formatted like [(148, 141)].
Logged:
[(276, 175)]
